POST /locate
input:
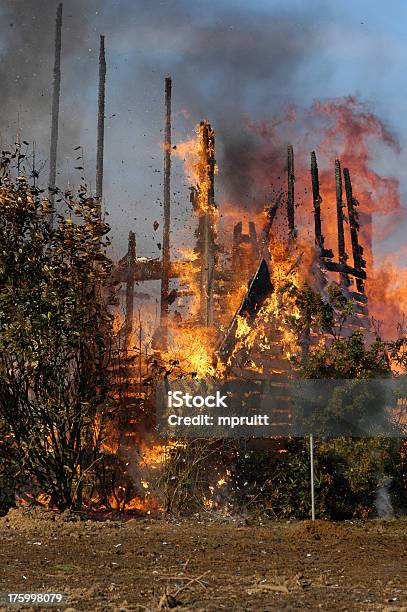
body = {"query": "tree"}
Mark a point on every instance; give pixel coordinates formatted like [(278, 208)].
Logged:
[(349, 470), (55, 332)]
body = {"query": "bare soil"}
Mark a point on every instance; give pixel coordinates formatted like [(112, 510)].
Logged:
[(205, 563)]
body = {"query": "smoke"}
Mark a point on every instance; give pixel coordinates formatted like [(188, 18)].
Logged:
[(27, 57), (383, 503), (252, 70), (235, 69), (227, 63)]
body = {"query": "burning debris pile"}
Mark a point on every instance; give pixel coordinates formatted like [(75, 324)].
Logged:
[(239, 307), (229, 305), (229, 309)]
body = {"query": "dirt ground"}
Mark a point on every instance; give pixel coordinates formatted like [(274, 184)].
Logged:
[(205, 563)]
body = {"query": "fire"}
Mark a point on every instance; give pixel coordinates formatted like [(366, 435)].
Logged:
[(147, 505), (155, 455), (274, 313), (195, 153), (193, 348), (347, 129), (217, 500), (243, 327), (387, 290)]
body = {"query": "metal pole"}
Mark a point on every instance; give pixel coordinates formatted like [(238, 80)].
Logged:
[(311, 453)]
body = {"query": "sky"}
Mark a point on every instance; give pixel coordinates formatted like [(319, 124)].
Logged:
[(231, 62)]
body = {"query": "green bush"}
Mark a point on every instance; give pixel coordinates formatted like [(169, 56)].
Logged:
[(349, 475)]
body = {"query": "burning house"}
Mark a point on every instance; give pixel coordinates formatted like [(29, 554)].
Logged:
[(221, 307), (229, 290), (248, 336)]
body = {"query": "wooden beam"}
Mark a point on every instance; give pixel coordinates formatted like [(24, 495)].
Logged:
[(339, 215), (165, 278), (316, 198), (56, 91), (357, 251), (130, 269), (206, 230), (101, 123), (290, 189)]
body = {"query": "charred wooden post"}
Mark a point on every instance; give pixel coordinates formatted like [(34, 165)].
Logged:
[(237, 240), (339, 214), (316, 196), (130, 278), (34, 172), (56, 91), (206, 230), (319, 240), (167, 214), (357, 251), (290, 190), (339, 211), (101, 124)]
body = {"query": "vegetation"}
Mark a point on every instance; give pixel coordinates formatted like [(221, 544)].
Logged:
[(56, 331), (354, 476), (350, 472), (55, 334)]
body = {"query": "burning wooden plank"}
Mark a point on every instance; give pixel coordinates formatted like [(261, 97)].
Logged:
[(260, 287), (317, 200), (345, 282), (290, 189), (204, 203), (357, 250)]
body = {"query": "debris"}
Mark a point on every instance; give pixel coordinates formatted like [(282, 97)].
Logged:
[(168, 601)]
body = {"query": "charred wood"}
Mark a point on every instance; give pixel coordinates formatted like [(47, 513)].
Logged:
[(290, 190), (56, 91)]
